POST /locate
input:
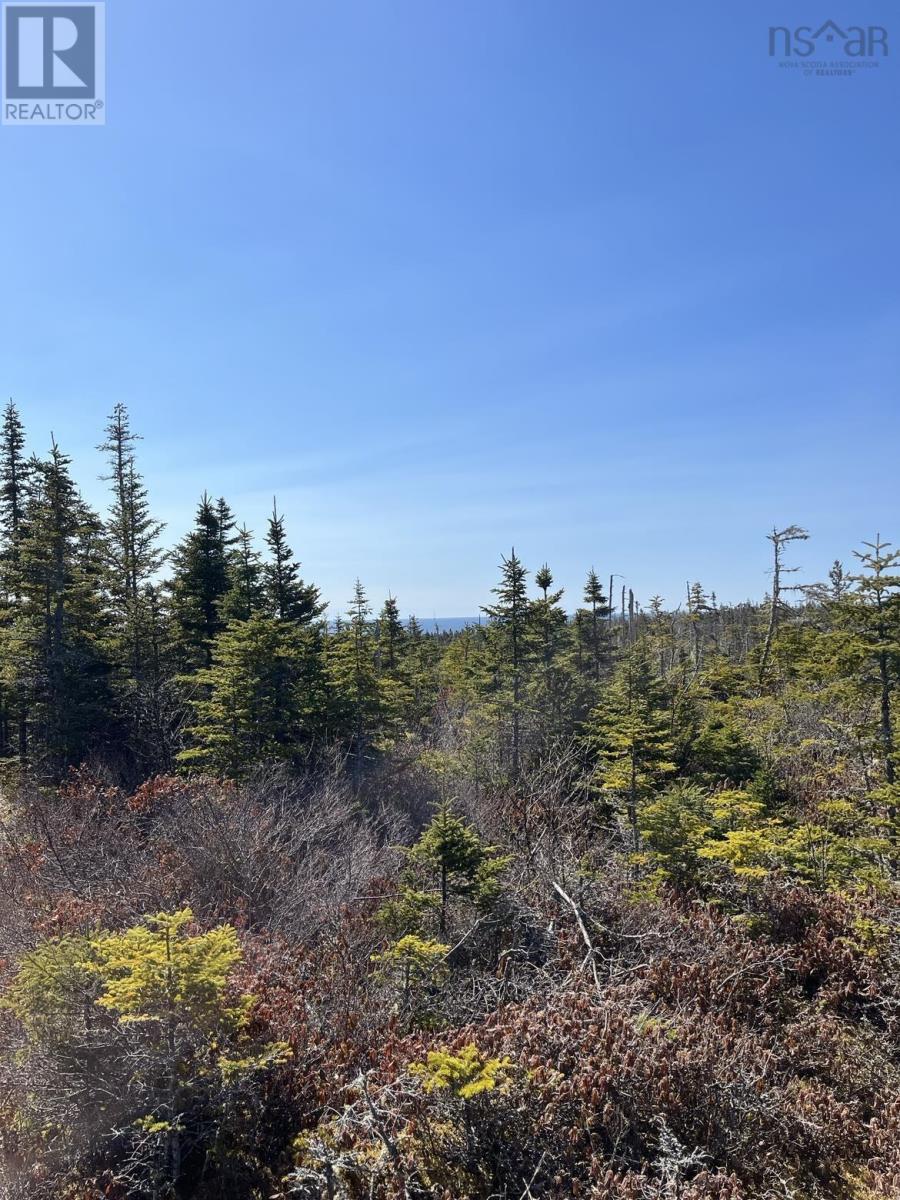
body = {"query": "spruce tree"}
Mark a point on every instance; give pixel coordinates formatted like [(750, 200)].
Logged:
[(200, 582), (250, 706), (630, 734), (246, 593), (14, 478), (548, 617), (698, 606), (290, 599), (457, 860), (550, 690), (509, 617), (391, 636), (15, 471), (227, 522), (780, 539), (875, 618), (593, 626), (421, 659), (60, 635), (154, 706), (132, 537), (355, 694)]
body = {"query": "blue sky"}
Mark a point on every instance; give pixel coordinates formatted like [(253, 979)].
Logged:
[(598, 280)]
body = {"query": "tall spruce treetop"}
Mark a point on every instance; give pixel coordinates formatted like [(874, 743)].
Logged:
[(698, 605), (391, 635), (352, 679), (290, 599), (132, 533), (549, 617), (200, 582), (544, 580), (60, 628), (14, 476), (877, 620), (246, 594), (780, 539), (227, 523), (597, 633), (512, 595), (15, 472), (510, 616)]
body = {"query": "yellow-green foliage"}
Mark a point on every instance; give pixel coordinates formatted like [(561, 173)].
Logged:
[(272, 1055), (53, 985), (409, 909), (674, 825), (838, 847), (749, 852), (629, 733), (156, 971), (154, 974), (733, 808), (158, 984), (467, 1074), (417, 959)]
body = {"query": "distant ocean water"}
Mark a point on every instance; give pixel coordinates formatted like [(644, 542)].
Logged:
[(433, 624), (447, 624)]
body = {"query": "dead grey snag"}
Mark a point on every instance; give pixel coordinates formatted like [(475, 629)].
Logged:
[(592, 953), (779, 539)]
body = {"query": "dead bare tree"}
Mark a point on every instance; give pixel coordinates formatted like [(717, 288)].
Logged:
[(779, 539)]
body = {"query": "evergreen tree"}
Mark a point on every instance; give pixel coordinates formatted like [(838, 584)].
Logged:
[(594, 625), (509, 617), (355, 694), (875, 618), (698, 606), (290, 599), (551, 695), (132, 534), (154, 706), (254, 697), (661, 635), (395, 671), (59, 641), (780, 539), (143, 1033), (421, 665), (675, 825), (15, 472), (200, 582), (227, 522), (630, 734), (246, 593), (549, 618), (391, 635), (456, 858), (133, 560)]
